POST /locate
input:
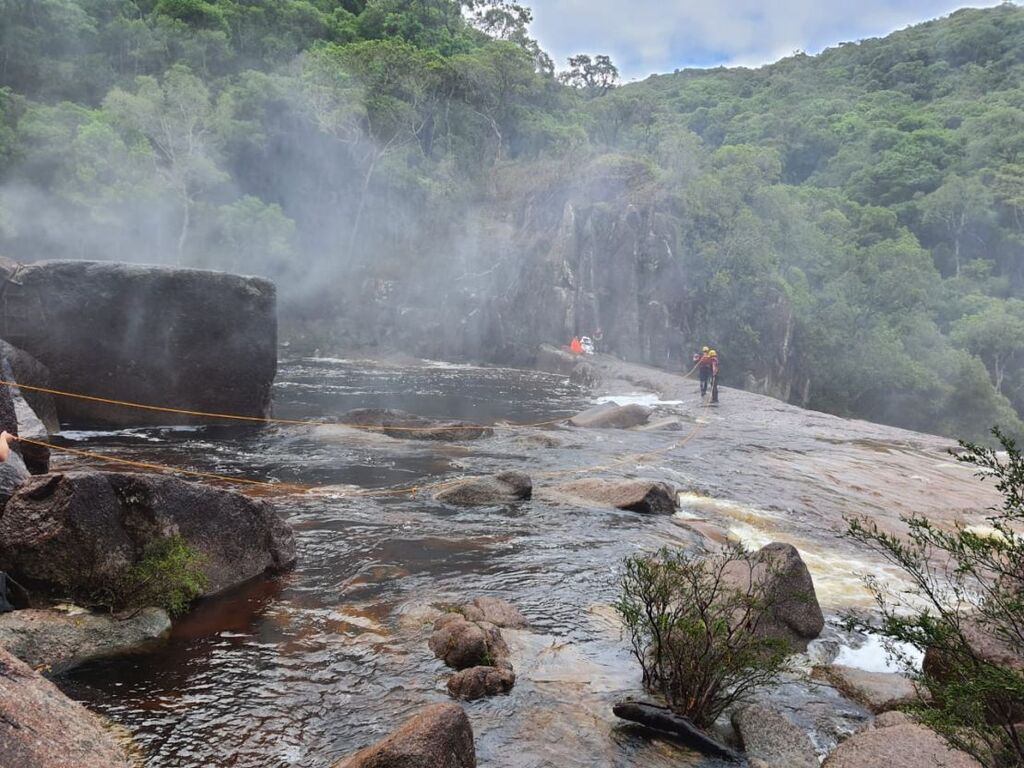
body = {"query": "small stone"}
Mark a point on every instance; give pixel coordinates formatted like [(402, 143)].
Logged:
[(478, 682), (496, 611)]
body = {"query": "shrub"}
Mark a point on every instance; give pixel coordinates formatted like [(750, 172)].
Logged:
[(966, 609), (695, 633), (169, 576)]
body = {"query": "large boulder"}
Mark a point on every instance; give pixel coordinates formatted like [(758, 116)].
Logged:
[(612, 416), (440, 736), (29, 372), (40, 727), (772, 741), (649, 496), (13, 475), (408, 426), (182, 338), (461, 643), (59, 640), (904, 744), (503, 488), (82, 531), (779, 576), (878, 691), (478, 682)]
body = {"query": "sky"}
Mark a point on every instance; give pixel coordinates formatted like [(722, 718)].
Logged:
[(645, 37)]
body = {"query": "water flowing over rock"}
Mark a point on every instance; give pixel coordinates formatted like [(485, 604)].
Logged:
[(780, 576), (461, 643), (183, 338), (495, 611), (407, 426), (83, 530), (478, 682), (41, 728), (772, 741), (440, 736), (478, 491), (648, 496), (60, 640), (610, 415), (878, 691), (906, 745)]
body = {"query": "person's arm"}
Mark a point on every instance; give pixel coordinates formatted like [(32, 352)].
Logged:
[(5, 448)]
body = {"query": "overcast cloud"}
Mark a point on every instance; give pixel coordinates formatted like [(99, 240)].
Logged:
[(652, 36)]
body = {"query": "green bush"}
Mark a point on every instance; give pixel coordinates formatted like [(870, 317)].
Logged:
[(695, 633), (966, 608), (169, 576)]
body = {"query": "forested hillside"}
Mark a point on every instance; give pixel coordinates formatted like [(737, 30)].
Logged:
[(847, 229)]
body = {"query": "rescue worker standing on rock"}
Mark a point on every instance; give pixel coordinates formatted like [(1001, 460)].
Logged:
[(703, 361), (714, 376)]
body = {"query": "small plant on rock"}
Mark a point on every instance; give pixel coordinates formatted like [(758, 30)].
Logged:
[(965, 608), (693, 622), (169, 575)]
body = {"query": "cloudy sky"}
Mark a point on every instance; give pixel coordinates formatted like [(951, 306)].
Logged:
[(649, 36)]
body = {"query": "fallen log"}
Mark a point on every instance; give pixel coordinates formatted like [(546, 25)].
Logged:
[(663, 719)]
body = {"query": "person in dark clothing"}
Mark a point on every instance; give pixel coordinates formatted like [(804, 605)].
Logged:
[(703, 361)]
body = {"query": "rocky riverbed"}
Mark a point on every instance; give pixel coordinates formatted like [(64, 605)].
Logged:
[(307, 667)]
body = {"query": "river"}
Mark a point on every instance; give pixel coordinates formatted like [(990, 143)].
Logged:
[(303, 669)]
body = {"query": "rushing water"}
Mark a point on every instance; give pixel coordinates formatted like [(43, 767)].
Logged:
[(306, 668)]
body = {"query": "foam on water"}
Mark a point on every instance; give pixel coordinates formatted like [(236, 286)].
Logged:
[(636, 398)]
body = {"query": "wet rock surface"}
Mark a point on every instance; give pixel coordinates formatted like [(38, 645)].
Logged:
[(495, 611), (878, 691), (504, 488), (611, 416), (83, 530), (478, 682), (647, 496), (408, 426), (906, 745), (183, 338), (461, 643), (26, 370), (439, 736), (59, 640), (772, 741), (41, 728)]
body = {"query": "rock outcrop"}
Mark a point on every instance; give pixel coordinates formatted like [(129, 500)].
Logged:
[(478, 682), (495, 611), (440, 736), (81, 531), (648, 496), (59, 640), (42, 728), (182, 338), (903, 744), (26, 370), (772, 741), (407, 426), (878, 691), (504, 488), (782, 580), (461, 643), (611, 416)]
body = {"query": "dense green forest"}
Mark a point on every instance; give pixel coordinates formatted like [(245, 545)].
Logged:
[(847, 228)]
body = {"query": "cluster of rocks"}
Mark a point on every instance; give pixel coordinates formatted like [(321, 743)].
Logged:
[(469, 640), (75, 533)]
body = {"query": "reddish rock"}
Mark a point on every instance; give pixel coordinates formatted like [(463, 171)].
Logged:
[(478, 682), (440, 736)]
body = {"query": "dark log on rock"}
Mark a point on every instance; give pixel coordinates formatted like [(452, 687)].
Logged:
[(663, 719), (181, 338), (82, 531), (407, 426)]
